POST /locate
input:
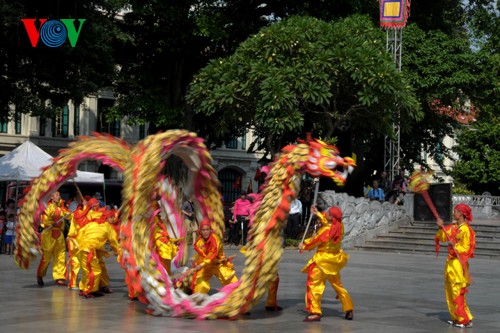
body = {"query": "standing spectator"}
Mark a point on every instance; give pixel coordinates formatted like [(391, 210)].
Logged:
[(98, 196), (75, 202), (306, 191), (292, 224), (3, 227), (384, 182), (398, 189), (241, 214), (190, 222), (10, 228), (376, 193), (11, 208)]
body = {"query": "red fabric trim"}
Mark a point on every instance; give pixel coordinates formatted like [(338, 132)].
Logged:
[(460, 302), (91, 282), (309, 296)]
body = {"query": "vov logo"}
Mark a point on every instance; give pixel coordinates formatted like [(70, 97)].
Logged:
[(53, 33)]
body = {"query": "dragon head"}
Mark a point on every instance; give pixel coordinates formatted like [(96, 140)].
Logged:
[(325, 160)]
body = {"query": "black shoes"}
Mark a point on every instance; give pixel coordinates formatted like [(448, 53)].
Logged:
[(274, 308), (39, 280), (106, 290), (349, 315)]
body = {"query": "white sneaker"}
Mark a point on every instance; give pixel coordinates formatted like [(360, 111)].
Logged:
[(469, 324), (450, 322)]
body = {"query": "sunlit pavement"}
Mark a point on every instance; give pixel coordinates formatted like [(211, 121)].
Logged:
[(391, 293)]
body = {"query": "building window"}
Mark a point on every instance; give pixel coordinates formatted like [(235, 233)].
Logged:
[(18, 121), (244, 140), (60, 123), (112, 127), (230, 181), (232, 143), (76, 121), (4, 125)]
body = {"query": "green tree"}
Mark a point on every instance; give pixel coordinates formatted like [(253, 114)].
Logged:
[(478, 146), (303, 74), (479, 157), (443, 71)]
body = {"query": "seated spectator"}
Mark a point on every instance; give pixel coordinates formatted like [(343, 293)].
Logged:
[(398, 189), (376, 193)]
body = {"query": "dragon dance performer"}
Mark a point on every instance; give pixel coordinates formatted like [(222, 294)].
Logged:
[(91, 240), (326, 264), (79, 219), (461, 240), (52, 240), (164, 245), (210, 260), (272, 291)]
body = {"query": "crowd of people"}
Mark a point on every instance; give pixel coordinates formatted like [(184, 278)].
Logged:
[(8, 222), (382, 189), (238, 215)]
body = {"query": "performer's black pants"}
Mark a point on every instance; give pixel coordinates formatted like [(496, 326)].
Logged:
[(292, 226)]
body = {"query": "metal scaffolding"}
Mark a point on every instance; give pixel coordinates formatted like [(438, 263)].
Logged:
[(394, 43)]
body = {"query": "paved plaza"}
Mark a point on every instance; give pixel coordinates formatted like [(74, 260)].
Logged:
[(391, 293)]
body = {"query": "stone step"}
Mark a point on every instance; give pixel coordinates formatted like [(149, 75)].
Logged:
[(397, 242), (475, 226), (423, 250), (430, 235), (429, 228), (418, 236)]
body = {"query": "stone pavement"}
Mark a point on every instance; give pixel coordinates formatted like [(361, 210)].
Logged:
[(391, 293)]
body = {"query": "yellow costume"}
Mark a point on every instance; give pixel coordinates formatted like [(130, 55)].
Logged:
[(91, 240), (77, 222), (326, 264), (456, 272), (164, 245), (208, 255), (52, 241)]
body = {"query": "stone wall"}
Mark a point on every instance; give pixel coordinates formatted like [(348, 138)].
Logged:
[(364, 219)]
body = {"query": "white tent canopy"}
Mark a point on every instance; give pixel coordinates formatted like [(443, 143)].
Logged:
[(27, 161)]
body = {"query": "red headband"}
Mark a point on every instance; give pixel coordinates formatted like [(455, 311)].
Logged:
[(335, 212), (204, 223), (336, 227), (465, 210)]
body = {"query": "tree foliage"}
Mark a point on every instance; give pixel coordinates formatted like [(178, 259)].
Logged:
[(442, 69), (304, 74), (478, 148), (479, 157)]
